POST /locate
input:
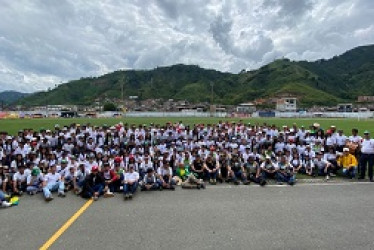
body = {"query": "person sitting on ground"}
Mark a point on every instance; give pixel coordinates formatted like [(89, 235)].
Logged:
[(149, 181), (3, 201), (20, 180), (307, 166), (80, 178), (237, 170), (253, 171), (323, 166), (53, 182), (212, 168), (70, 179), (94, 184), (197, 167), (165, 177), (117, 184), (3, 178), (268, 169), (224, 172), (349, 163), (110, 177), (130, 182), (285, 172), (35, 181)]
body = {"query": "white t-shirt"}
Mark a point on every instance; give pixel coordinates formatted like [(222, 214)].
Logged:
[(134, 176), (52, 178), (367, 146), (21, 177)]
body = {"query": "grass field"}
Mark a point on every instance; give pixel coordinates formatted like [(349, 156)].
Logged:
[(13, 125)]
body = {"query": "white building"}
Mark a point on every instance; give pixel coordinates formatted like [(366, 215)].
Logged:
[(246, 108), (286, 104)]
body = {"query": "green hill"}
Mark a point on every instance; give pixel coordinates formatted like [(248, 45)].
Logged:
[(323, 82), (8, 97)]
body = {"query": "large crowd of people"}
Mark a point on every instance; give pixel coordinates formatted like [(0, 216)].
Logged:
[(103, 161)]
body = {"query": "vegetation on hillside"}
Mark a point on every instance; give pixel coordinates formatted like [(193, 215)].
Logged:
[(323, 82)]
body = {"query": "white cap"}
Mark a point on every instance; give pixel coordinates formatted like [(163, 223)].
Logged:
[(345, 149)]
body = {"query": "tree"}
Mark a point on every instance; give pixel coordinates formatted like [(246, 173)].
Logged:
[(109, 106)]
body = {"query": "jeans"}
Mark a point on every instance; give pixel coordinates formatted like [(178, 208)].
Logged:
[(365, 160), (154, 186), (238, 175), (97, 188), (127, 188), (266, 175), (350, 172), (58, 186), (212, 175), (284, 177), (32, 189), (2, 196)]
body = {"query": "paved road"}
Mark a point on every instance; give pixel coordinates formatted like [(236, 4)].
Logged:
[(338, 216)]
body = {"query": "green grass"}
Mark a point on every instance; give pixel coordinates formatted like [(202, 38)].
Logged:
[(13, 125)]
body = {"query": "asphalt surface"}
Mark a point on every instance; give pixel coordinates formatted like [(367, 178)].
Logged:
[(306, 216)]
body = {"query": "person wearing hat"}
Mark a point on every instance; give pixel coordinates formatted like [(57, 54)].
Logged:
[(130, 182), (367, 156), (268, 168), (149, 181), (349, 163), (93, 184), (53, 182), (34, 181)]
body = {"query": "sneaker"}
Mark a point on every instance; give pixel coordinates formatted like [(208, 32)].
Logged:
[(262, 183), (198, 186), (6, 204), (130, 196), (236, 182), (203, 185), (214, 182), (49, 198), (327, 177), (61, 194), (161, 188), (95, 198), (108, 194)]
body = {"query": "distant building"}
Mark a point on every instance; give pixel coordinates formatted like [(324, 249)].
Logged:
[(246, 108), (286, 104), (345, 107), (365, 98)]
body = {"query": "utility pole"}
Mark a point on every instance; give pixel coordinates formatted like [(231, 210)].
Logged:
[(211, 98)]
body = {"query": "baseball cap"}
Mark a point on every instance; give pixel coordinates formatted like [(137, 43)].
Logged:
[(95, 169), (345, 149), (366, 132)]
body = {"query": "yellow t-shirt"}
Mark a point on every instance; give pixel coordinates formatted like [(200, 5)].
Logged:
[(347, 161)]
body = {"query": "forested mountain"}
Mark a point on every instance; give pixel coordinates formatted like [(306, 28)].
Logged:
[(323, 82)]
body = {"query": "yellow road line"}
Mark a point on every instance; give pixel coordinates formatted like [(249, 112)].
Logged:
[(67, 224)]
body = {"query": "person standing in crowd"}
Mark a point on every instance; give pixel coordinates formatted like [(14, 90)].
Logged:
[(367, 156)]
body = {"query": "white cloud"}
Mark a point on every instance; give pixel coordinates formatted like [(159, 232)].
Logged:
[(43, 43)]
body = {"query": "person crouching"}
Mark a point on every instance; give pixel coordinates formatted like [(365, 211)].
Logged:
[(149, 181)]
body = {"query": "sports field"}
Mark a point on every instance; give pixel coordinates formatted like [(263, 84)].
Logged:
[(13, 125)]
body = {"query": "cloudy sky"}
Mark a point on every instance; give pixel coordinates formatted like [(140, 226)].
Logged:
[(46, 42)]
